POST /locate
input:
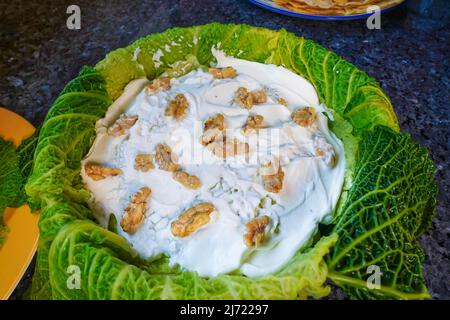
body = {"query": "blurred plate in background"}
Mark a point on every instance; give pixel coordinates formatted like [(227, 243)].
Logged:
[(272, 6)]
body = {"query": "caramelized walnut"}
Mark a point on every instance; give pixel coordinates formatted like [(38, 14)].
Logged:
[(144, 162), (222, 73), (98, 172), (192, 219), (256, 231), (135, 211), (157, 85), (177, 107), (304, 117), (164, 158), (187, 180), (252, 124), (121, 125)]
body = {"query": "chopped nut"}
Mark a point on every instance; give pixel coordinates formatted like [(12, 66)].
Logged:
[(213, 129), (215, 122), (228, 148), (222, 73), (259, 96), (282, 102), (252, 124), (243, 98), (247, 99), (325, 151), (256, 231), (187, 180), (229, 72), (97, 172), (144, 162), (164, 158), (192, 219), (177, 107), (304, 117), (272, 177), (157, 85), (210, 136), (135, 211), (121, 125), (262, 203)]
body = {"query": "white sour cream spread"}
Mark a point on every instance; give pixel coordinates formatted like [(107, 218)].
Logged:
[(310, 188)]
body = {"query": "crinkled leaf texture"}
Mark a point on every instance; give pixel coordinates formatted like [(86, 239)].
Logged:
[(109, 268), (26, 152), (15, 167), (390, 203), (10, 181)]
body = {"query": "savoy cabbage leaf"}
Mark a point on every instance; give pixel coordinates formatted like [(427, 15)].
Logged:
[(65, 137), (110, 270), (10, 181), (25, 153), (390, 203)]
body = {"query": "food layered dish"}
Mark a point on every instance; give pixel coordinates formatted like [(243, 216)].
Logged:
[(223, 162)]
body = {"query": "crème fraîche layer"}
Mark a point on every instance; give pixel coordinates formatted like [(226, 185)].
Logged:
[(222, 170)]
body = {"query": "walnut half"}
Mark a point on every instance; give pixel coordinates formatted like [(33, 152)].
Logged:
[(144, 162), (304, 117), (157, 85), (222, 73), (121, 125), (135, 211), (192, 219), (272, 177), (225, 148), (252, 124), (187, 180), (177, 107), (325, 151), (256, 231), (247, 99), (243, 98), (213, 129), (164, 158), (97, 172)]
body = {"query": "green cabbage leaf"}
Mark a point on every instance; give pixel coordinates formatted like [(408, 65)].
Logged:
[(10, 182), (15, 168), (390, 203)]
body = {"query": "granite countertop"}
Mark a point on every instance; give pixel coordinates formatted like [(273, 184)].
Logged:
[(408, 55)]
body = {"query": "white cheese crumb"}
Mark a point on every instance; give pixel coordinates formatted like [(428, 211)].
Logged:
[(157, 58)]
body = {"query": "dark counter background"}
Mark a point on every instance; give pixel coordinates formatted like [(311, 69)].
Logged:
[(409, 56)]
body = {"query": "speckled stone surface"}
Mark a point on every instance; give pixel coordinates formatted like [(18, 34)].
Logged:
[(409, 56)]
